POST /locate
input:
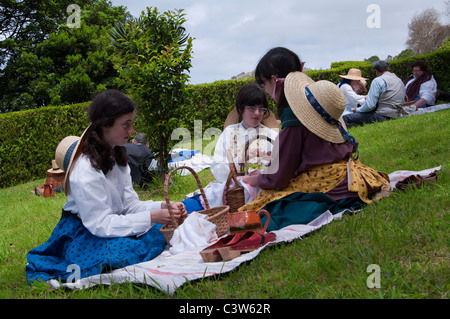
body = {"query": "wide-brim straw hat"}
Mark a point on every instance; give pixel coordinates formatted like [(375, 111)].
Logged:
[(269, 121), (327, 94), (55, 169), (354, 74), (67, 151)]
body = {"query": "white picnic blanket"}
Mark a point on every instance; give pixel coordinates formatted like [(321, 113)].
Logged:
[(411, 109), (169, 271)]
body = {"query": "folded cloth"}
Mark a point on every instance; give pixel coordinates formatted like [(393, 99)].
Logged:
[(195, 231), (416, 181)]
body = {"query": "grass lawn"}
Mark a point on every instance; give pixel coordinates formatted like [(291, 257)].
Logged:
[(405, 235)]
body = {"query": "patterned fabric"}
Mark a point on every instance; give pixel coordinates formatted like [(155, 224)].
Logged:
[(71, 246), (362, 180)]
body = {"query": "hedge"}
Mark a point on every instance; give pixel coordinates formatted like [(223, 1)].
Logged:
[(28, 139)]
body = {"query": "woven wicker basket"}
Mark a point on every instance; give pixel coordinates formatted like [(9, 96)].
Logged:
[(235, 197), (244, 167), (216, 215)]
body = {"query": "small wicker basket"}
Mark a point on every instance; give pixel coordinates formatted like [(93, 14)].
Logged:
[(235, 197), (216, 215)]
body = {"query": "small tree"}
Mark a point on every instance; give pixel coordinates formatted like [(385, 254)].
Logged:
[(154, 55), (426, 33)]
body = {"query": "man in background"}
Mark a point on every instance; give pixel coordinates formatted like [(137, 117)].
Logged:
[(384, 100), (140, 159)]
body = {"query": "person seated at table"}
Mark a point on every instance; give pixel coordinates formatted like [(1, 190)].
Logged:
[(421, 87), (352, 85)]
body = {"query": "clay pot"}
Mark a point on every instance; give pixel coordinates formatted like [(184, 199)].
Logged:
[(241, 222), (48, 190)]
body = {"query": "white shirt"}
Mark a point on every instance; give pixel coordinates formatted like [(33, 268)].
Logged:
[(107, 204), (233, 139), (427, 90), (351, 98)]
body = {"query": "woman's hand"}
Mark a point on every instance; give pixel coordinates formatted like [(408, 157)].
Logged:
[(252, 178), (162, 216)]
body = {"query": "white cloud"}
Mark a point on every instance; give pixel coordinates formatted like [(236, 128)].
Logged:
[(232, 35)]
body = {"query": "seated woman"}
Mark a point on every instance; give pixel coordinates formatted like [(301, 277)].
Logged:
[(421, 87), (352, 85), (317, 161), (104, 225), (244, 123)]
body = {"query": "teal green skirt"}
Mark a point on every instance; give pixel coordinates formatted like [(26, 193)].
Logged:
[(302, 208)]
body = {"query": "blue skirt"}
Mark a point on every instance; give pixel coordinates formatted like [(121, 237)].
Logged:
[(72, 247)]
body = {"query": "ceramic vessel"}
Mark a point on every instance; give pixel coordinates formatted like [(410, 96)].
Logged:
[(48, 190), (241, 222)]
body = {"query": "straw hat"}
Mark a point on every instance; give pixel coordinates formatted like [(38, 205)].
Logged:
[(327, 94), (66, 151), (55, 168), (270, 121), (354, 74)]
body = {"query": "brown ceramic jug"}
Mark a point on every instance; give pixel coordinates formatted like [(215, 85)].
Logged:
[(241, 222), (48, 190)]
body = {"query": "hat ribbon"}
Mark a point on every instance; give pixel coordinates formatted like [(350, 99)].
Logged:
[(69, 155), (327, 117)]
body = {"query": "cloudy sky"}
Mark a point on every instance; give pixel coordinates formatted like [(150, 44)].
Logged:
[(230, 36)]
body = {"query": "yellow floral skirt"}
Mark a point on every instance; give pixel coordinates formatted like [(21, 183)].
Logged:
[(361, 179)]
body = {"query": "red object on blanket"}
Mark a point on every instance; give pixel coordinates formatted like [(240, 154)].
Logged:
[(416, 181)]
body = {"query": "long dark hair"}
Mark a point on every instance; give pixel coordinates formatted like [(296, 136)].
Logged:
[(251, 94), (103, 111), (280, 62)]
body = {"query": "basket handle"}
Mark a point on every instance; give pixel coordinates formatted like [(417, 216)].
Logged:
[(233, 173), (166, 191), (231, 176), (244, 167)]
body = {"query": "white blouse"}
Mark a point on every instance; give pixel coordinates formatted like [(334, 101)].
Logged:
[(107, 204), (233, 140), (427, 90), (352, 99)]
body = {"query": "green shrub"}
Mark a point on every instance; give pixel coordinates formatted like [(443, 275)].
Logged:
[(28, 140)]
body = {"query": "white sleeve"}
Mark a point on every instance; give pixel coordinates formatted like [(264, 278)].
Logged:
[(99, 207), (428, 91), (220, 167), (131, 202), (351, 94)]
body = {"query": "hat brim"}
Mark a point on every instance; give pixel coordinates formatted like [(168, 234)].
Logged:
[(352, 77), (76, 153), (294, 88), (270, 122)]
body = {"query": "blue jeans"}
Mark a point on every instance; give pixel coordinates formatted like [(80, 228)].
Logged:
[(355, 119)]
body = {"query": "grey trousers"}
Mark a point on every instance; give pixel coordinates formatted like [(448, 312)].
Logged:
[(356, 119)]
